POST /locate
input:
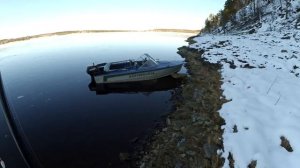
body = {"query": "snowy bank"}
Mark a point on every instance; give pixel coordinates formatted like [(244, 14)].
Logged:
[(261, 79)]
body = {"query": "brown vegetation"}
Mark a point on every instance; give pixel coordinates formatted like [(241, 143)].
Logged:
[(193, 133)]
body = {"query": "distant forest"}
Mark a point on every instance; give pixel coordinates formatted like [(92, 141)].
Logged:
[(5, 41)]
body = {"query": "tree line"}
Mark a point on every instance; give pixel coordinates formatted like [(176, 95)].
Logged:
[(223, 16), (231, 7)]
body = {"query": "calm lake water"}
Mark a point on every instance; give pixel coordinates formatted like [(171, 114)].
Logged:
[(66, 123)]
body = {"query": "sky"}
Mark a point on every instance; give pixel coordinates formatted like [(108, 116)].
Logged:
[(27, 17)]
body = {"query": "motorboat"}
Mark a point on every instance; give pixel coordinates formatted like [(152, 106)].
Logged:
[(143, 69)]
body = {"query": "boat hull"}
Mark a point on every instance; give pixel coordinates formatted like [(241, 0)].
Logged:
[(137, 76)]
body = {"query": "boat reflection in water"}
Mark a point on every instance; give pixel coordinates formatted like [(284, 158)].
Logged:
[(161, 84)]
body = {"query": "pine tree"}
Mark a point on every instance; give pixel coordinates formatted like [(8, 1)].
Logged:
[(226, 15)]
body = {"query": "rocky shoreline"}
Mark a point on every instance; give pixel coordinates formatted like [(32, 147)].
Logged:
[(192, 134)]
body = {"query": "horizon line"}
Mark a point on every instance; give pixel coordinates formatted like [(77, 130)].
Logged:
[(60, 33)]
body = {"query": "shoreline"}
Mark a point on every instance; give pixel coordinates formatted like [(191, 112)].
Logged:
[(10, 40), (260, 75), (193, 131)]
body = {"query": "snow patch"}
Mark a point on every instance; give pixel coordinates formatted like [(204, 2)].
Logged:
[(261, 78)]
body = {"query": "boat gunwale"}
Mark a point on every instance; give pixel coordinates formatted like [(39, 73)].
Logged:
[(123, 72)]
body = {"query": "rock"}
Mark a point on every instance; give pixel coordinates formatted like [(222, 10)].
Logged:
[(178, 165), (191, 153), (210, 150), (286, 37), (142, 165), (124, 156), (182, 129), (168, 121), (286, 144), (231, 160), (252, 164), (197, 94), (231, 63), (181, 142), (2, 164), (261, 66), (242, 61), (176, 128), (248, 66), (284, 51), (252, 31), (134, 140), (235, 130), (181, 149), (216, 128)]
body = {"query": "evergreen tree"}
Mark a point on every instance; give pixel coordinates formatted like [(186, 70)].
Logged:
[(223, 16)]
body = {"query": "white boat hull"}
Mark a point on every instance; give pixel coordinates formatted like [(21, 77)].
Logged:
[(137, 76)]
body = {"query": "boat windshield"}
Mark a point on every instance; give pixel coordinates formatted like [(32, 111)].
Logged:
[(148, 61)]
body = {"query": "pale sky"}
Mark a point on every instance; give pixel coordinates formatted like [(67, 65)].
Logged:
[(28, 17)]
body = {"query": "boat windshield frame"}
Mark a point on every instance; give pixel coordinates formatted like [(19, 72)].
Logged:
[(148, 61)]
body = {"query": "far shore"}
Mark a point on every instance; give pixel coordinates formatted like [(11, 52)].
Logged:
[(5, 41)]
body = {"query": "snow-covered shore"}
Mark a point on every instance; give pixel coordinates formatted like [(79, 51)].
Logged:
[(261, 79)]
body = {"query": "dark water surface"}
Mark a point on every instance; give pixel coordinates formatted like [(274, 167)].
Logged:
[(65, 122)]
